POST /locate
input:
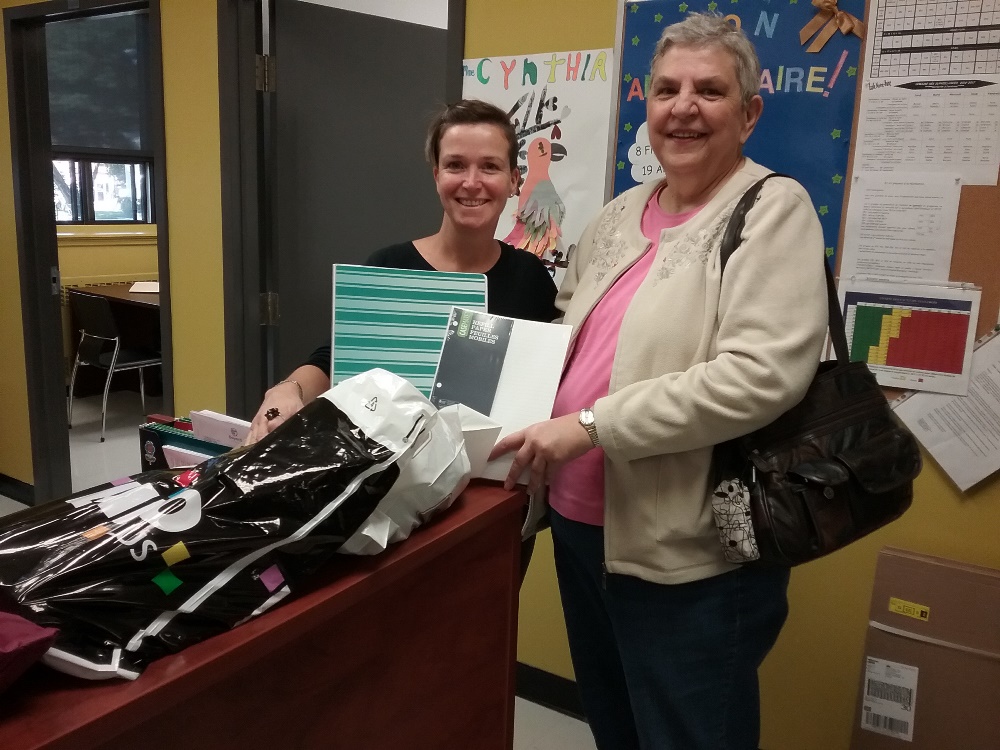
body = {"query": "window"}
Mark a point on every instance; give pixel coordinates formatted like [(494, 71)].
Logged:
[(99, 113), (88, 191)]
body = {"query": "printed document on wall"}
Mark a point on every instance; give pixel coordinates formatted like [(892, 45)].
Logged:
[(916, 336), (930, 98), (962, 433), (901, 226)]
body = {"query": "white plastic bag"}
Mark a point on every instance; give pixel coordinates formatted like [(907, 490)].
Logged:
[(431, 476)]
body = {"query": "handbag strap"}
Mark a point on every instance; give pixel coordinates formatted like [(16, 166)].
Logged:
[(734, 236)]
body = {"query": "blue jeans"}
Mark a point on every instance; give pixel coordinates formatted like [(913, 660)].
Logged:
[(666, 667)]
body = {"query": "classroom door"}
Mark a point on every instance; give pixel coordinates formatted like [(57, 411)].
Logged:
[(354, 93)]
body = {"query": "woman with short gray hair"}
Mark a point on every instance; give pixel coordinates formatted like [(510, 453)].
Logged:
[(669, 358)]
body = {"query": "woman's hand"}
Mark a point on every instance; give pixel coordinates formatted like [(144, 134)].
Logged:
[(281, 401), (543, 447)]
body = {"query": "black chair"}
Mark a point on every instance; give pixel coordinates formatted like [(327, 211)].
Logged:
[(100, 346)]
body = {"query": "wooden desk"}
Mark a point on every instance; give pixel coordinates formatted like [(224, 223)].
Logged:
[(121, 293), (413, 649)]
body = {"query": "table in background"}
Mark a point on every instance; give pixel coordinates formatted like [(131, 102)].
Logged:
[(119, 293), (414, 648), (137, 315)]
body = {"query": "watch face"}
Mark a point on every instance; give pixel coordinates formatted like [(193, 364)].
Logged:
[(586, 417)]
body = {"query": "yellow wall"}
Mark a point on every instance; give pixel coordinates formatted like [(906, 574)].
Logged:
[(102, 254), (194, 229), (809, 682), (194, 202)]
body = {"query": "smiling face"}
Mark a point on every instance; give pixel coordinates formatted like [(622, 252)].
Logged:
[(695, 114), (473, 176)]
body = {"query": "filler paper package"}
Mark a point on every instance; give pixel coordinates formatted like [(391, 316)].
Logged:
[(931, 674), (133, 571)]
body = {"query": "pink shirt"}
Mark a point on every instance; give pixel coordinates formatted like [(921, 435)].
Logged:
[(576, 490)]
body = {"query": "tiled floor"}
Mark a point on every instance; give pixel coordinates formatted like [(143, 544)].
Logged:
[(538, 728), (94, 462)]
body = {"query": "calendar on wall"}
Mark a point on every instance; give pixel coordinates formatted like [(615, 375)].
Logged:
[(926, 38), (930, 98)]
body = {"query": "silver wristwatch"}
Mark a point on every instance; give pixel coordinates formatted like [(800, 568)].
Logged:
[(587, 420)]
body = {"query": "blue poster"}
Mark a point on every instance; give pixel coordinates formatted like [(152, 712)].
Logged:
[(808, 90)]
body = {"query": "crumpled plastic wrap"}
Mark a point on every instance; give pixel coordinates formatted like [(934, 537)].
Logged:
[(129, 573)]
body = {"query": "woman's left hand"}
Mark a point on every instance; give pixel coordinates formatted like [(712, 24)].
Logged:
[(543, 447)]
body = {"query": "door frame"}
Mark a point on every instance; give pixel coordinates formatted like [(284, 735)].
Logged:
[(35, 225)]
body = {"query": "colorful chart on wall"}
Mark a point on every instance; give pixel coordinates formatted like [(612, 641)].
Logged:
[(917, 336), (808, 90), (558, 102)]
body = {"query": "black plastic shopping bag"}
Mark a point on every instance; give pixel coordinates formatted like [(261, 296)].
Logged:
[(131, 572)]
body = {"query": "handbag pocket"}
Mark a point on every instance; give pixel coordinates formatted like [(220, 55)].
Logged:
[(826, 502)]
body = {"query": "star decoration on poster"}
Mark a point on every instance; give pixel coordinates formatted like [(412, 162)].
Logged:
[(835, 133)]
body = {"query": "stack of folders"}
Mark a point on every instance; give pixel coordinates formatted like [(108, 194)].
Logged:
[(174, 444)]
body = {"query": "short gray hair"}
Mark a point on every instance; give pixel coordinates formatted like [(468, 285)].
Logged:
[(712, 30)]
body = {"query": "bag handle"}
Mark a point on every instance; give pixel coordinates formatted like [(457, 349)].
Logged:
[(734, 236)]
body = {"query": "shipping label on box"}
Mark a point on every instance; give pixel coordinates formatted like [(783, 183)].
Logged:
[(889, 699)]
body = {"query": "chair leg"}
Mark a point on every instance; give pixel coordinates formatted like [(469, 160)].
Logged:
[(107, 387), (142, 392), (72, 382)]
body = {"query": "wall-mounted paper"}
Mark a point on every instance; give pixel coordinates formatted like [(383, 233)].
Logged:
[(962, 433), (558, 102), (901, 226), (930, 98), (912, 335)]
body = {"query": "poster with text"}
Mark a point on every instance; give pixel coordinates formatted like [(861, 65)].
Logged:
[(809, 60), (559, 103)]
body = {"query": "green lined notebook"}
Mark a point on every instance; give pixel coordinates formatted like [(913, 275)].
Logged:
[(396, 319)]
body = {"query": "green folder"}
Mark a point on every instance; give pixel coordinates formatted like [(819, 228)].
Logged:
[(396, 319)]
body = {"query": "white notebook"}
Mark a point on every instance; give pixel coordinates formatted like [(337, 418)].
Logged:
[(505, 368)]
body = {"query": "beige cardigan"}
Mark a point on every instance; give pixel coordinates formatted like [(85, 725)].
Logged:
[(696, 363)]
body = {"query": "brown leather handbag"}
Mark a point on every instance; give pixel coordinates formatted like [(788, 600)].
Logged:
[(832, 469)]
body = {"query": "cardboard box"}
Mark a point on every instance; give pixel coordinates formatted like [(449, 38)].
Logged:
[(931, 676)]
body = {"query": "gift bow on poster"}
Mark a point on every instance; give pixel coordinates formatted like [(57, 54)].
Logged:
[(829, 18)]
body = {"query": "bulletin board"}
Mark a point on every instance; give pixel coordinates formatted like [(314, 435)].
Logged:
[(808, 91), (977, 237)]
